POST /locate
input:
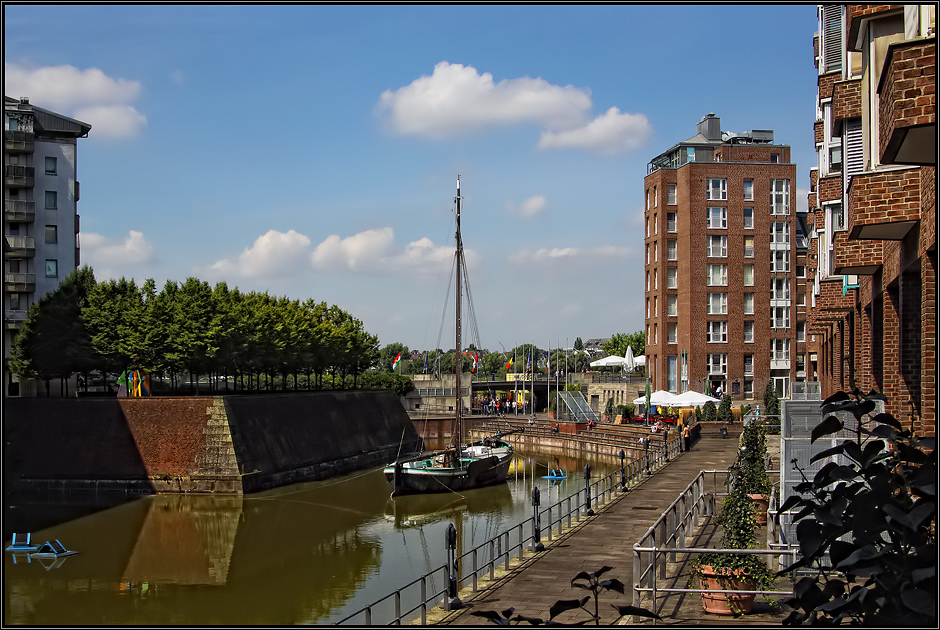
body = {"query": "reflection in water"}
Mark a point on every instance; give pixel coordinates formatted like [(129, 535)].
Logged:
[(308, 553)]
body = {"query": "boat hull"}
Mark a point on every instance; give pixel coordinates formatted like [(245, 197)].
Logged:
[(475, 473)]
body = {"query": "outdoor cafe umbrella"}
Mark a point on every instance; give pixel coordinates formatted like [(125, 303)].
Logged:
[(629, 363), (608, 361)]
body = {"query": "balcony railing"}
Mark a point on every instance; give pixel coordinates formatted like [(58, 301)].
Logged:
[(21, 141), (19, 211), (19, 282), (20, 246), (18, 175)]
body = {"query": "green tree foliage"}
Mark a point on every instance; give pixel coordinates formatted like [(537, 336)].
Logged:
[(387, 356), (709, 411), (250, 341), (618, 343), (771, 402), (578, 344), (724, 409)]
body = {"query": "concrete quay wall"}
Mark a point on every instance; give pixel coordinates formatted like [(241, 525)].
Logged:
[(204, 444)]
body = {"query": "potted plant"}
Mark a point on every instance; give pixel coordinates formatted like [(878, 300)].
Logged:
[(752, 459), (726, 571), (608, 410)]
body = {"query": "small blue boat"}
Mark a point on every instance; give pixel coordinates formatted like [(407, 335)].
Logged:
[(53, 549), (555, 474), (21, 543)]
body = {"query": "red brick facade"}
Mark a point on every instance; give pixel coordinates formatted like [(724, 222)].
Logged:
[(885, 197), (908, 89), (830, 188), (846, 101)]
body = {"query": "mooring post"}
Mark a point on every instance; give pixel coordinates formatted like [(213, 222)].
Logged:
[(536, 533), (646, 445), (623, 478), (587, 511), (451, 601)]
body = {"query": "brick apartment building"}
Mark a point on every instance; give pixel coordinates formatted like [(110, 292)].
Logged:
[(872, 207), (725, 265)]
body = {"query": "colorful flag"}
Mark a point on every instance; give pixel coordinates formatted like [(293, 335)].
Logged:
[(528, 366), (476, 360), (425, 361), (396, 362), (509, 365)]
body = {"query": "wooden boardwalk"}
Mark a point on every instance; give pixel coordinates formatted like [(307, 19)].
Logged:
[(607, 539)]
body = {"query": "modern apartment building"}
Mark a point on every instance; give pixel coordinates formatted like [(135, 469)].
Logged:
[(725, 265), (872, 206), (40, 212)]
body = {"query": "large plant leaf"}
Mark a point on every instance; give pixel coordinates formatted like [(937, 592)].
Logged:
[(830, 425), (924, 602), (838, 449)]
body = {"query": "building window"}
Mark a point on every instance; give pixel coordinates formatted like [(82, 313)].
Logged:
[(50, 166), (780, 233), (835, 158), (801, 271), (749, 190), (749, 275), (716, 332), (672, 372), (748, 388), (655, 196), (774, 158), (836, 216), (655, 251), (672, 305), (648, 258), (748, 303), (801, 331), (780, 196), (717, 363), (749, 247), (52, 268), (672, 277), (717, 189), (717, 303), (52, 234), (717, 218), (671, 222), (801, 299), (717, 275), (655, 223), (780, 349), (748, 216), (647, 227), (15, 304), (718, 246), (781, 317), (655, 280), (670, 194), (781, 289), (51, 199), (748, 365), (780, 261), (672, 249), (748, 332), (672, 332), (647, 199)]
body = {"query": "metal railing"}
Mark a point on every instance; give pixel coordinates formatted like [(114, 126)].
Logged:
[(484, 560), (666, 539)]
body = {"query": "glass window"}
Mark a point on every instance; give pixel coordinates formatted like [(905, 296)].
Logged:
[(50, 166), (52, 268), (717, 189), (836, 216), (801, 331), (718, 246), (780, 261), (781, 288), (749, 189), (51, 199), (672, 277), (774, 158), (748, 303), (51, 234), (717, 303), (15, 303), (748, 365), (672, 305), (671, 222), (748, 275), (672, 249), (655, 196), (717, 363), (780, 196), (671, 194), (716, 332), (781, 317), (672, 332), (749, 247), (717, 218), (780, 233), (717, 275), (748, 215), (672, 372), (748, 332), (780, 349)]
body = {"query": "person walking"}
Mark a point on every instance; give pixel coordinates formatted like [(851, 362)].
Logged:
[(686, 437)]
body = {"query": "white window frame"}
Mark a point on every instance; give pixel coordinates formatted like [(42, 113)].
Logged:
[(716, 332), (672, 306), (672, 332), (748, 331), (780, 317), (780, 197), (671, 222), (747, 218), (672, 249), (717, 304), (748, 364), (670, 194), (672, 277), (780, 261), (780, 289), (748, 190), (717, 218), (749, 249), (717, 275), (717, 364), (716, 189), (748, 303), (717, 246), (748, 281)]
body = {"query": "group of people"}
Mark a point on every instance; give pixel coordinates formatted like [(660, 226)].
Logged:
[(494, 407)]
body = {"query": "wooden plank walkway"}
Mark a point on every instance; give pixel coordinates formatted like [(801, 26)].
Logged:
[(605, 539)]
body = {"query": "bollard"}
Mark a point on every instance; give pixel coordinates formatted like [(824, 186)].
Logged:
[(623, 478), (536, 533), (665, 443), (451, 601), (587, 511), (646, 446)]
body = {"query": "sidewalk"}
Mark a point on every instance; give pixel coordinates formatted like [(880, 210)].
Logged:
[(604, 539)]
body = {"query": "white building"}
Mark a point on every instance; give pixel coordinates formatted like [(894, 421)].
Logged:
[(40, 212)]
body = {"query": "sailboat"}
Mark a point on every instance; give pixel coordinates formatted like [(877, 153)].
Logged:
[(455, 468)]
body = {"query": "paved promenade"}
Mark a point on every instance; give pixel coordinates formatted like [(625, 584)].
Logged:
[(604, 539)]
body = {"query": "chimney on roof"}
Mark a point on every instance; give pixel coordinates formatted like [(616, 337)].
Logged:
[(710, 127), (24, 100)]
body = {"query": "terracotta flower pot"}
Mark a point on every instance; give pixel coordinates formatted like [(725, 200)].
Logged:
[(726, 603), (761, 503)]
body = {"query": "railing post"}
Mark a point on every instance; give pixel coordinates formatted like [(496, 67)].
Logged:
[(474, 570), (398, 607), (536, 533), (424, 600), (451, 601), (492, 562), (587, 488), (623, 478), (368, 615), (664, 536), (549, 521)]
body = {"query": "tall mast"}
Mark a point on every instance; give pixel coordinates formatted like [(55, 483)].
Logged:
[(459, 356)]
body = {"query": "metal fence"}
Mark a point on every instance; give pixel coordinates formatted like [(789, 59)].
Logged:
[(484, 560), (666, 539)]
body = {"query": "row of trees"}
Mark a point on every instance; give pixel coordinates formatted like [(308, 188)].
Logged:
[(253, 339)]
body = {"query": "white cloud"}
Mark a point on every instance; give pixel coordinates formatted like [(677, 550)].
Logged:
[(565, 255), (100, 250), (374, 251), (88, 95), (112, 121), (610, 133), (456, 99), (272, 254), (533, 206)]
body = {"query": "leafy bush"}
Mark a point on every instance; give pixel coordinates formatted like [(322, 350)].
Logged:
[(771, 402), (871, 531), (710, 412), (724, 410), (753, 459)]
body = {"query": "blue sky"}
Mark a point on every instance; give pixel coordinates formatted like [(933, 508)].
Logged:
[(312, 151)]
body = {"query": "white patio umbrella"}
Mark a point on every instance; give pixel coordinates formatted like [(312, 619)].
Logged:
[(659, 397), (629, 363), (608, 361), (694, 399)]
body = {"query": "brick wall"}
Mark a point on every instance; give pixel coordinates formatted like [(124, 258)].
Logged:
[(908, 90), (928, 379), (830, 188), (885, 197), (826, 81), (846, 100)]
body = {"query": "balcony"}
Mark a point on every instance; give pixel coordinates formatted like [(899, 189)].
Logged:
[(18, 141), (884, 205), (18, 176), (19, 282), (19, 211), (20, 247), (863, 258), (13, 320), (846, 102), (832, 299), (908, 104)]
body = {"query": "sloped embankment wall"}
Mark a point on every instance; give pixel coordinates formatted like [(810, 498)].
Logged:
[(199, 444)]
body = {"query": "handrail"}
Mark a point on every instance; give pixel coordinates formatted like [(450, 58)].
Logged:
[(500, 549)]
